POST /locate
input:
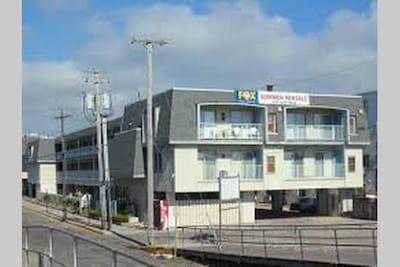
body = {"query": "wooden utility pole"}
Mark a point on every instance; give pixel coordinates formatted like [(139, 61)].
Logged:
[(61, 117), (149, 45)]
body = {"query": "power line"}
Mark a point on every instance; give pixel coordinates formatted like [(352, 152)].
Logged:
[(342, 69)]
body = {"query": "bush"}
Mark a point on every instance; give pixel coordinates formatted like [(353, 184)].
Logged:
[(46, 199), (120, 218), (94, 214)]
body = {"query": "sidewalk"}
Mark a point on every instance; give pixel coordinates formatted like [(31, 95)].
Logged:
[(137, 235)]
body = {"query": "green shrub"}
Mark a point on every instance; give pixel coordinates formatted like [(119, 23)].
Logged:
[(46, 199), (120, 218), (94, 214)]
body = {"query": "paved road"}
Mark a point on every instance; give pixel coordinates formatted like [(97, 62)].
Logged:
[(276, 231), (88, 254)]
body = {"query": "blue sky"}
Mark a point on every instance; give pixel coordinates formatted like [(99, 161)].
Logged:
[(59, 32), (217, 44)]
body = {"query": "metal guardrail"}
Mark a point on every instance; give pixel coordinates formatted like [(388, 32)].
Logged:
[(285, 226), (51, 260), (261, 241)]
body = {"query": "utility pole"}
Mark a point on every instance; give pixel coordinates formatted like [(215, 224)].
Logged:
[(95, 102), (61, 117), (149, 44), (107, 173)]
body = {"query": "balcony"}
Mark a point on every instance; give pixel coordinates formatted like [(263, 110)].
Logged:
[(303, 172), (78, 152), (245, 171), (82, 176), (231, 131), (314, 132)]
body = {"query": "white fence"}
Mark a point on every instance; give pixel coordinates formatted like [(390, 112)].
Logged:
[(206, 212)]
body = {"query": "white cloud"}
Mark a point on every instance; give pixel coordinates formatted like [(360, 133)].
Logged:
[(233, 45), (47, 87)]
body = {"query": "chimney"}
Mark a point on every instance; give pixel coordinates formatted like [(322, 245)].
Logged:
[(270, 87)]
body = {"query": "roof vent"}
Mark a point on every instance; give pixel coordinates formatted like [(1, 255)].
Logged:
[(270, 87)]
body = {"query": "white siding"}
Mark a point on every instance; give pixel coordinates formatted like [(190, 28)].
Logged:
[(188, 174), (282, 179), (354, 179)]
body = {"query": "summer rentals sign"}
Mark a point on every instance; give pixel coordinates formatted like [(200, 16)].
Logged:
[(271, 98)]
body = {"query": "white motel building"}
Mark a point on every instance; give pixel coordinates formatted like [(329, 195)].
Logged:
[(274, 141)]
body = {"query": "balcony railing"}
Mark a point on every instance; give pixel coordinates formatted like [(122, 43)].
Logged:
[(245, 171), (231, 131), (315, 133), (82, 176), (301, 171), (78, 152)]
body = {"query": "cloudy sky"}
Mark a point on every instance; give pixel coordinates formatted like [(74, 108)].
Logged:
[(324, 46)]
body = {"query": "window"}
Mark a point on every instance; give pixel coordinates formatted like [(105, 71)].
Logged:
[(353, 125), (59, 166), (207, 116), (242, 116), (319, 164), (208, 164), (297, 167), (351, 164), (322, 119), (272, 127), (271, 164), (296, 118)]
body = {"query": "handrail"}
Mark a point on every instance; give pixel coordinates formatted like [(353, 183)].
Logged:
[(44, 254), (240, 237), (79, 237), (283, 226)]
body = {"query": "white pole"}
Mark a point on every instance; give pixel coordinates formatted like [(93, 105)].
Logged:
[(149, 141), (107, 172), (100, 151)]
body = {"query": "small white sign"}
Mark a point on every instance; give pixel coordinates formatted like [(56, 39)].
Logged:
[(229, 188), (283, 98)]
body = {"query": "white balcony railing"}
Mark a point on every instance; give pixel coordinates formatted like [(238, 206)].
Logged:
[(245, 171), (300, 171), (231, 131), (315, 133)]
